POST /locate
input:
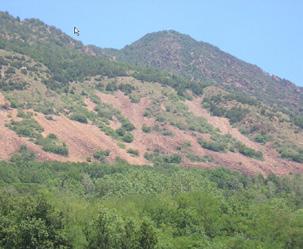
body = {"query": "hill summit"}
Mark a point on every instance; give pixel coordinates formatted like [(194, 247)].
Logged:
[(179, 53)]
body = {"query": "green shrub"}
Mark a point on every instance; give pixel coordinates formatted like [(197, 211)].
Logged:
[(111, 87), (213, 145), (66, 64), (196, 158), (23, 155), (121, 132), (52, 144), (133, 152), (246, 151), (163, 131), (45, 108), (179, 83), (242, 98), (126, 88), (146, 129), (23, 71), (216, 110), (134, 98), (24, 115), (291, 153), (158, 157), (260, 138), (128, 137), (79, 117), (10, 86), (236, 114), (13, 104), (299, 121), (27, 127), (10, 70), (101, 155), (52, 136), (128, 126), (56, 149)]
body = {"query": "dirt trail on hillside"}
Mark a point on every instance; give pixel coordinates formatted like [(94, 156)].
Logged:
[(84, 139)]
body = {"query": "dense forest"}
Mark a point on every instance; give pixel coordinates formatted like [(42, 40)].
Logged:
[(73, 205)]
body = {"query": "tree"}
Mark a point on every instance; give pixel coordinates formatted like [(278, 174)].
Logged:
[(33, 234), (147, 236), (129, 238), (32, 224), (105, 232)]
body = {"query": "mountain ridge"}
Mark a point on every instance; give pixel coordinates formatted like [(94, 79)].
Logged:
[(179, 53)]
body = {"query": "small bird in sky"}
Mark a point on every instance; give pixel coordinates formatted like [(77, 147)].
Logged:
[(76, 31)]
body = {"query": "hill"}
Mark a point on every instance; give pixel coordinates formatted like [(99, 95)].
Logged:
[(65, 101), (179, 53)]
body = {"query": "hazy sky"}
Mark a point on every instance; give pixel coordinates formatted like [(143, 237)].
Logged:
[(268, 33)]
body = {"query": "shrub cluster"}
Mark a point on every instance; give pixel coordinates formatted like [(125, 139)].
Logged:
[(101, 155)]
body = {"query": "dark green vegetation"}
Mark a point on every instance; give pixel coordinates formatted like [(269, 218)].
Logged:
[(133, 152), (66, 60), (55, 205), (9, 86), (168, 79), (234, 114), (299, 121), (79, 117), (101, 155), (292, 153), (52, 144), (160, 158)]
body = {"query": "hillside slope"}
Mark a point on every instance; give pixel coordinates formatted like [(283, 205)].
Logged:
[(65, 101), (182, 54)]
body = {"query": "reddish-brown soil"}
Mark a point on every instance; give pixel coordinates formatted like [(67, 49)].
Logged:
[(10, 142), (2, 99), (90, 105), (133, 111), (85, 139), (271, 163), (222, 124)]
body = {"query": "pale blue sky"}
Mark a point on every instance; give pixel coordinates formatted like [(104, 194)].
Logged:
[(268, 33)]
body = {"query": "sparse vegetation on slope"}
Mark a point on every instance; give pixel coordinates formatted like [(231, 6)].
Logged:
[(137, 109), (29, 127)]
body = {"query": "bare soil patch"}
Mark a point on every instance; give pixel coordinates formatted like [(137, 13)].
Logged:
[(83, 140)]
